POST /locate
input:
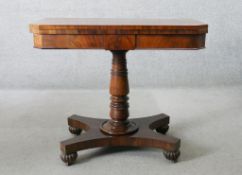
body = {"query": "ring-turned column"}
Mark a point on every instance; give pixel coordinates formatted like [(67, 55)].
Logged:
[(119, 89)]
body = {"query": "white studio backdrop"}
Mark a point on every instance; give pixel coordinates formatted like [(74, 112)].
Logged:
[(22, 66)]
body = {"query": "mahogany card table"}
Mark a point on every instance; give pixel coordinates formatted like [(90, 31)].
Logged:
[(119, 36)]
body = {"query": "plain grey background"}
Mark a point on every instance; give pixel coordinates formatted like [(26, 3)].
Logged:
[(21, 66)]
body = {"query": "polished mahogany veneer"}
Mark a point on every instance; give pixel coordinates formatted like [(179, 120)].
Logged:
[(119, 36)]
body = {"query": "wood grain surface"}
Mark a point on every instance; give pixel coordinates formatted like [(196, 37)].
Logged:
[(119, 34)]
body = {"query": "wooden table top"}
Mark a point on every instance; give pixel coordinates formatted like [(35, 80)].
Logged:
[(117, 26), (118, 34)]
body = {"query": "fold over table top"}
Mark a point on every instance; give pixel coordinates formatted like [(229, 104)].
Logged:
[(119, 34)]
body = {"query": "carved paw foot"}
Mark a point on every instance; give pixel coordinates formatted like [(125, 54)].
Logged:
[(172, 155), (163, 129), (69, 159), (76, 131)]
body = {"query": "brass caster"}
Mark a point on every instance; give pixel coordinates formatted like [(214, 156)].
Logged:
[(163, 129), (172, 155), (75, 131), (69, 159)]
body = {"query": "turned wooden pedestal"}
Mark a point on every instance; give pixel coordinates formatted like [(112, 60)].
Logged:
[(119, 36)]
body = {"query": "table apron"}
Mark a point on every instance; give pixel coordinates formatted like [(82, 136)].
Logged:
[(120, 42)]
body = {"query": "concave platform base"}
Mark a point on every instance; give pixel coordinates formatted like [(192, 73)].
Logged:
[(149, 132)]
